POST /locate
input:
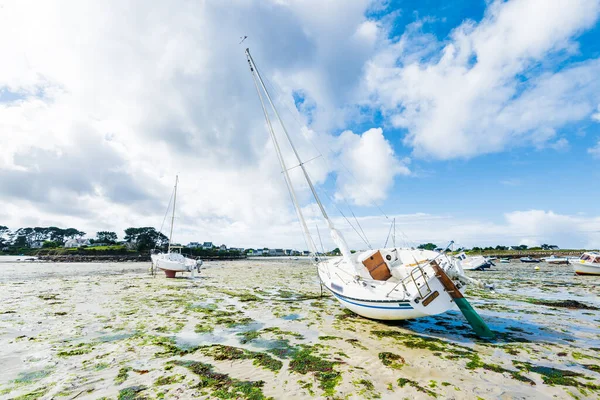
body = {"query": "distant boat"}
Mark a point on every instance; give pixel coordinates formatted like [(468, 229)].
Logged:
[(587, 264), (555, 260), (473, 263), (173, 262), (505, 260), (529, 260)]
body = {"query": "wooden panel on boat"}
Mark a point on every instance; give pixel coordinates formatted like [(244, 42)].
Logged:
[(430, 298), (377, 267), (446, 281)]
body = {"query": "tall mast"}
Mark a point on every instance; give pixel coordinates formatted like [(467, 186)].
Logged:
[(335, 234), (284, 168), (173, 215)]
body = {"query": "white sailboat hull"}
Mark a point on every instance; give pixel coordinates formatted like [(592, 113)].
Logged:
[(585, 267), (387, 300), (172, 263)]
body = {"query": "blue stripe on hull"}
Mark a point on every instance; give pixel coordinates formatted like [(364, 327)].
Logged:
[(405, 306)]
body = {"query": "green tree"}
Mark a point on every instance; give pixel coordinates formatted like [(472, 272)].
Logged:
[(427, 246), (4, 231), (49, 244), (106, 237), (145, 238)]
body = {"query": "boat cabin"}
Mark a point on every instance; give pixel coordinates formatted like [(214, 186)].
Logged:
[(591, 257)]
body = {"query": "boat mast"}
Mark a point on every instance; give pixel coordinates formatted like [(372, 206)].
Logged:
[(173, 215), (284, 168), (336, 235)]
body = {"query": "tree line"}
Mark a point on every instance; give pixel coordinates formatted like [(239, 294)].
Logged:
[(142, 239), (432, 246)]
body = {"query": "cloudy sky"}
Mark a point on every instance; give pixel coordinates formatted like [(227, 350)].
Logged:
[(475, 121)]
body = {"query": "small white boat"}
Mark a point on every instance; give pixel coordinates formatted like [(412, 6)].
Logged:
[(473, 263), (385, 283), (587, 264), (555, 260), (505, 260), (173, 261)]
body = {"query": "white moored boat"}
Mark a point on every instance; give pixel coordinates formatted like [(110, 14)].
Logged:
[(587, 264), (173, 261), (388, 283), (473, 263), (555, 260)]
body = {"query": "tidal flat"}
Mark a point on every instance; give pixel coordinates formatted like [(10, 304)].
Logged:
[(261, 328)]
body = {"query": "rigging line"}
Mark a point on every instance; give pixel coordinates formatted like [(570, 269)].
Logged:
[(330, 197), (292, 193), (165, 217), (360, 226), (388, 236), (304, 162), (285, 103)]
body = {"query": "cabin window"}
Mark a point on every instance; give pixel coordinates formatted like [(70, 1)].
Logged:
[(597, 260), (585, 257)]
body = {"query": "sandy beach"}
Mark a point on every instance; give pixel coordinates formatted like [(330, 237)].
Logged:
[(260, 329)]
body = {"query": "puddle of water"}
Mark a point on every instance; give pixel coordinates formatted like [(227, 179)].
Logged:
[(291, 317)]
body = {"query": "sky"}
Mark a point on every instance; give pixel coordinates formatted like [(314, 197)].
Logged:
[(476, 121)]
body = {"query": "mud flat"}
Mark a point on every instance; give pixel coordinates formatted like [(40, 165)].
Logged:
[(260, 329)]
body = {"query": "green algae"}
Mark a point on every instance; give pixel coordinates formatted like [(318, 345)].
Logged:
[(222, 386), (122, 375), (168, 344), (80, 349), (203, 328), (248, 336), (281, 333), (220, 353), (554, 376), (304, 361), (404, 381), (329, 337), (168, 380), (32, 395), (131, 393), (392, 360), (476, 362)]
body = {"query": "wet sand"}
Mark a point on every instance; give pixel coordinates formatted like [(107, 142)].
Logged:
[(259, 328)]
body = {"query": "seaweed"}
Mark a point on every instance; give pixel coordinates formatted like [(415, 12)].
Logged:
[(122, 375), (32, 395), (222, 385), (131, 393), (304, 362), (392, 360), (220, 353), (555, 376), (404, 381), (168, 380)]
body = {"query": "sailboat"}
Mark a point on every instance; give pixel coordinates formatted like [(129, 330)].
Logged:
[(383, 284), (173, 261)]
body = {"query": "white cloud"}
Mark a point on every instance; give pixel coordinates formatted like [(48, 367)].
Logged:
[(108, 101), (368, 167), (595, 151), (478, 94), (532, 227), (596, 115)]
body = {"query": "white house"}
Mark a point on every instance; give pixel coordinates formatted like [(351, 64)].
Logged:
[(223, 247), (207, 245), (77, 242), (194, 245)]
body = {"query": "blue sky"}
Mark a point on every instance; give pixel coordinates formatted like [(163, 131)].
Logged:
[(475, 121), (519, 177)]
